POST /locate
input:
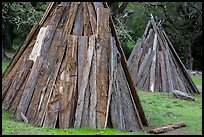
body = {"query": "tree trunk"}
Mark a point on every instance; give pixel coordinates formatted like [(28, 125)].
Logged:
[(189, 59), (7, 36), (4, 56)]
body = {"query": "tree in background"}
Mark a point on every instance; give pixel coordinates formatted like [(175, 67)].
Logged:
[(17, 20)]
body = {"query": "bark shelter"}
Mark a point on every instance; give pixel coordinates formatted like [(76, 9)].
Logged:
[(71, 72), (154, 64)]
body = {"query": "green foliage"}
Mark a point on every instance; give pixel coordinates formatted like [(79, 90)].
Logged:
[(23, 16)]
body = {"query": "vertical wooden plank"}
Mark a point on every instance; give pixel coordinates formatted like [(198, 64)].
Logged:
[(124, 113), (44, 77), (86, 22), (40, 114), (68, 82), (29, 88), (78, 24), (103, 56), (71, 17), (92, 83), (152, 69), (52, 110), (92, 17), (133, 60), (168, 71), (163, 72), (83, 86)]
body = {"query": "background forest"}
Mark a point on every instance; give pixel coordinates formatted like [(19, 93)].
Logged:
[(182, 21)]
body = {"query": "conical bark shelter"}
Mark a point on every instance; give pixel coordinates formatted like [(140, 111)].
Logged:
[(71, 72), (154, 64)]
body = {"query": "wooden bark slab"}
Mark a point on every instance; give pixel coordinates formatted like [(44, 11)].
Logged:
[(103, 55), (167, 128)]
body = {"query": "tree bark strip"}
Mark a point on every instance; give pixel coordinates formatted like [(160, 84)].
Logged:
[(152, 69), (29, 88), (82, 88), (92, 17), (78, 24), (133, 60), (57, 63), (68, 82), (93, 89), (16, 84), (103, 55), (87, 24)]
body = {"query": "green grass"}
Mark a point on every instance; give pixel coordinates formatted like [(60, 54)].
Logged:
[(163, 108), (5, 64), (197, 80), (12, 127)]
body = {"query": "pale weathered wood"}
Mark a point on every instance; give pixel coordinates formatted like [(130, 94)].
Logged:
[(38, 119), (167, 128), (44, 77), (93, 89), (152, 69), (83, 86), (123, 113)]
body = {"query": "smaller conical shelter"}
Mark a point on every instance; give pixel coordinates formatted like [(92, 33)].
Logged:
[(154, 64)]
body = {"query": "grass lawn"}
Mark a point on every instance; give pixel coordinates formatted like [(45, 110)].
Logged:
[(160, 109)]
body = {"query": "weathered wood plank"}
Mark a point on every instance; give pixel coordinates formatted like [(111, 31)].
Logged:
[(83, 86), (163, 72), (44, 77), (16, 83), (152, 68), (29, 88), (68, 82), (71, 17), (39, 117), (52, 110), (167, 128), (123, 110), (78, 24), (92, 17), (195, 89), (103, 56), (9, 77), (86, 22), (92, 85), (133, 61)]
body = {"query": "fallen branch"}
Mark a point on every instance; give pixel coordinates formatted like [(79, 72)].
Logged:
[(167, 128), (180, 94)]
